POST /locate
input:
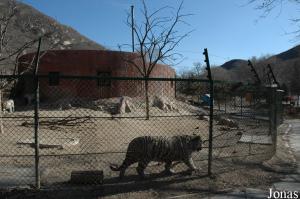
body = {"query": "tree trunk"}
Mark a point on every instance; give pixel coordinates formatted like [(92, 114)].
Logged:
[(147, 99), (1, 119)]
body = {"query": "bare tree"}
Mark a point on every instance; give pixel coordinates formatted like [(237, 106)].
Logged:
[(157, 37), (9, 52), (199, 69)]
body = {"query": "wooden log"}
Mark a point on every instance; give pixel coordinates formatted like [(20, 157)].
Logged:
[(87, 177)]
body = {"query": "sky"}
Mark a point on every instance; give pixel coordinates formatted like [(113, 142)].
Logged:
[(229, 29)]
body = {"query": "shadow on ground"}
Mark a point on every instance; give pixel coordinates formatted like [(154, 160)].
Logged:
[(111, 187)]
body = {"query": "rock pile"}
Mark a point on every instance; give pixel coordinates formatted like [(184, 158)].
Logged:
[(164, 104), (126, 105)]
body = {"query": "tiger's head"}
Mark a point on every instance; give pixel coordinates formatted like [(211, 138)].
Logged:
[(196, 143)]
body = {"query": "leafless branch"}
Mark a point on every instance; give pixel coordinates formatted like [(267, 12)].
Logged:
[(7, 52), (54, 123), (157, 37), (5, 19), (267, 6)]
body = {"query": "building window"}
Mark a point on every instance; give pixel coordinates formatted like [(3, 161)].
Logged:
[(103, 82), (53, 78)]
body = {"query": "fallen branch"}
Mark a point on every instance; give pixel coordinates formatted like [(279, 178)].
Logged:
[(68, 121)]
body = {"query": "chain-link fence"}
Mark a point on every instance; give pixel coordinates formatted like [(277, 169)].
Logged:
[(246, 119), (86, 124)]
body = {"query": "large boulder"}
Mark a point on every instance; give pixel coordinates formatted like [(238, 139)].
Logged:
[(164, 103), (125, 106)]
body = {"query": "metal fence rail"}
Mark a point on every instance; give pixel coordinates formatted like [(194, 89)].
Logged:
[(86, 124)]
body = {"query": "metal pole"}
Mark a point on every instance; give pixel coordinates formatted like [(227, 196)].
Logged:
[(132, 27), (272, 111), (273, 76), (270, 103), (234, 101), (175, 88), (225, 103), (274, 92), (241, 106), (211, 112), (258, 81), (279, 105), (36, 118)]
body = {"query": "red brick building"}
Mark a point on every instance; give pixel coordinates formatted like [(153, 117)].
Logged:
[(56, 63)]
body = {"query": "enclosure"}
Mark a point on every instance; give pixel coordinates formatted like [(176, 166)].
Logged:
[(45, 141)]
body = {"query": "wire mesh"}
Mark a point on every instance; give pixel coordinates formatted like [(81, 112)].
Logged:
[(86, 124), (243, 125)]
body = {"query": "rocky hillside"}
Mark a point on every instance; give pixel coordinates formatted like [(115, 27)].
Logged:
[(27, 24), (291, 54)]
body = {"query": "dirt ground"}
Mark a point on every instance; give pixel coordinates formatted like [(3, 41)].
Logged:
[(103, 140)]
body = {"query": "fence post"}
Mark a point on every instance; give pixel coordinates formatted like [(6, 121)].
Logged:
[(275, 119), (273, 114), (211, 111), (174, 83), (226, 103), (279, 97), (36, 117), (241, 104)]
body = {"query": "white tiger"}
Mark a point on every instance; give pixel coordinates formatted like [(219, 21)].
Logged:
[(9, 106), (162, 149)]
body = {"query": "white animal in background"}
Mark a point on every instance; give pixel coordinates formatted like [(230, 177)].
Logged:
[(9, 106)]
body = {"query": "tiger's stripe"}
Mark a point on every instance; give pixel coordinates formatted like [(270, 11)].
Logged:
[(158, 148)]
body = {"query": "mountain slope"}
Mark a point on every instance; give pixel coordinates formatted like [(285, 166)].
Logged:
[(28, 24), (293, 53), (285, 65), (233, 63), (70, 38)]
